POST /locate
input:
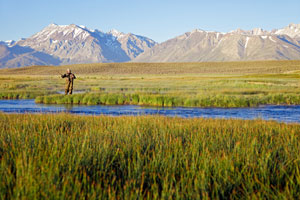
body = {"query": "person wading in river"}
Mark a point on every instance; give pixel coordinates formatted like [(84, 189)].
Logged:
[(69, 81)]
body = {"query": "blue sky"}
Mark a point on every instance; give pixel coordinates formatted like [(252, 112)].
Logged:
[(158, 19)]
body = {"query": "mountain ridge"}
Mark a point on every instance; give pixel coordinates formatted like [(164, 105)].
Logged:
[(237, 45), (72, 44)]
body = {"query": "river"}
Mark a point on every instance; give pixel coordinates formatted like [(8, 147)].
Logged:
[(279, 113)]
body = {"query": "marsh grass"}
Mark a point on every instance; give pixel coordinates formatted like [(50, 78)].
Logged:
[(169, 100), (78, 157), (20, 95)]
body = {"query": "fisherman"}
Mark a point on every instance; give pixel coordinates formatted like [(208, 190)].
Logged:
[(69, 81)]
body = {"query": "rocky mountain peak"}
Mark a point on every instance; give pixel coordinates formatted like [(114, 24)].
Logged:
[(292, 30), (259, 31), (255, 31), (116, 33), (72, 43)]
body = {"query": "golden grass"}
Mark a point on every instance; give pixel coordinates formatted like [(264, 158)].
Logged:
[(245, 67)]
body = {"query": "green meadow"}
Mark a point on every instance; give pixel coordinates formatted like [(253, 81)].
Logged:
[(64, 156), (219, 84)]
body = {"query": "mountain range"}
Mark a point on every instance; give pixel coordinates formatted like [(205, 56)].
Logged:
[(70, 44), (237, 45)]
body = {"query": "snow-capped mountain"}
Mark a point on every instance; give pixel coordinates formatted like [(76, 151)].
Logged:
[(292, 30), (68, 44), (77, 44), (199, 45)]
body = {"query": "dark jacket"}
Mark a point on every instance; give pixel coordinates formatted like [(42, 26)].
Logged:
[(70, 76)]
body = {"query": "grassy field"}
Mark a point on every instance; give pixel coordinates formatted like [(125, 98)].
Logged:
[(65, 156), (75, 157), (137, 69), (243, 83)]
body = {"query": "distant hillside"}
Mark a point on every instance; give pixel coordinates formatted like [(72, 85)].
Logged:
[(18, 56), (163, 69), (238, 45)]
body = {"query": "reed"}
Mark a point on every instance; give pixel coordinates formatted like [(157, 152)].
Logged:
[(151, 157)]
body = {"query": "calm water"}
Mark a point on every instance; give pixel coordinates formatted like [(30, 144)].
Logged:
[(268, 112)]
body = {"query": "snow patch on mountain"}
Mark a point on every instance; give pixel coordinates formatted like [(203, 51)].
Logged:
[(10, 43), (116, 33), (270, 37), (247, 40)]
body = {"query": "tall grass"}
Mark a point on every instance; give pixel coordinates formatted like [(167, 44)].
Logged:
[(20, 95), (171, 100), (76, 157)]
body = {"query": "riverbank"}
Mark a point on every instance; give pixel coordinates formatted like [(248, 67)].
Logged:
[(146, 157)]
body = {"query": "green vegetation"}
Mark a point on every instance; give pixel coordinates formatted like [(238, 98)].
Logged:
[(19, 95), (151, 157), (78, 157), (221, 84), (21, 87), (169, 100)]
